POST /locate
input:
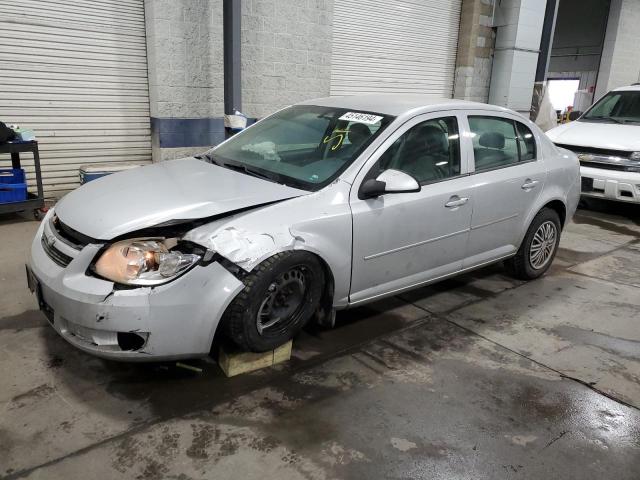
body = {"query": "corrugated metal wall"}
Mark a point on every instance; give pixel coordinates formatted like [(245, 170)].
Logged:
[(75, 71), (395, 46)]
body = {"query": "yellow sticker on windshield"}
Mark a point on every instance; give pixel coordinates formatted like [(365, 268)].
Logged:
[(338, 135), (361, 118)]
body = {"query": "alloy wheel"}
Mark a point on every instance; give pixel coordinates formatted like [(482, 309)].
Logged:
[(543, 245)]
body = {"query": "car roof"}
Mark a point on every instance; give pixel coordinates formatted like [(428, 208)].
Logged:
[(632, 88), (396, 103)]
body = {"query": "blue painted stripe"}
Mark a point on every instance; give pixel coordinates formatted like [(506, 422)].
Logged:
[(188, 132)]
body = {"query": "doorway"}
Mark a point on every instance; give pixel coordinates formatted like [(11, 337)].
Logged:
[(562, 92)]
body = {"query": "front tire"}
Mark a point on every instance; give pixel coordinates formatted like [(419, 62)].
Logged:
[(539, 247), (280, 296)]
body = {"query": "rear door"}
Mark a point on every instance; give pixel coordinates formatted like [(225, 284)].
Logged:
[(508, 179)]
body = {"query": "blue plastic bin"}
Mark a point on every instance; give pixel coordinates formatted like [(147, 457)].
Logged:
[(12, 185), (11, 175)]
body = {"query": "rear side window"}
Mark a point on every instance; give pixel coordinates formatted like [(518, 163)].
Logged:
[(500, 142)]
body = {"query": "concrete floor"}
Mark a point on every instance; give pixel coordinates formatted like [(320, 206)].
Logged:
[(480, 377)]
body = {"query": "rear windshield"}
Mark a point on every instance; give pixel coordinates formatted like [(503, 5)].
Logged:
[(304, 146)]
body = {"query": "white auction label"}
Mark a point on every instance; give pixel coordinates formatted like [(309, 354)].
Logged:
[(361, 118)]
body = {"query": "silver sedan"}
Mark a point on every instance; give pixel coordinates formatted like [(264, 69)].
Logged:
[(321, 206)]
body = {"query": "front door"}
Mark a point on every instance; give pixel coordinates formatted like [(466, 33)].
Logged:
[(405, 239)]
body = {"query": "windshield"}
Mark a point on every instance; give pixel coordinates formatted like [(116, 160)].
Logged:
[(616, 107), (304, 146)]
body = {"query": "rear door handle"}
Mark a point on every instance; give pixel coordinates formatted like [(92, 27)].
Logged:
[(456, 201), (529, 184)]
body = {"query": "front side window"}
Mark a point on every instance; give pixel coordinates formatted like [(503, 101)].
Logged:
[(500, 142), (615, 107), (304, 146), (429, 151)]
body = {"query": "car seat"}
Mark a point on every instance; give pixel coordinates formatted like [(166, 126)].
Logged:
[(357, 135), (490, 152), (423, 150)]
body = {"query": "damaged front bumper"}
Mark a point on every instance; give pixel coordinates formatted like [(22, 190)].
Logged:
[(170, 321)]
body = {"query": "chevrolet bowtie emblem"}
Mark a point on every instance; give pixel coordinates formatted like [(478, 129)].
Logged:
[(50, 239)]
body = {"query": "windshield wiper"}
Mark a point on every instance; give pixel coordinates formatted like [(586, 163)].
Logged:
[(208, 156), (602, 117), (243, 169), (275, 177), (250, 171)]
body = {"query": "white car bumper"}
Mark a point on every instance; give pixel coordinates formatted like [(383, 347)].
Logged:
[(171, 321), (610, 184)]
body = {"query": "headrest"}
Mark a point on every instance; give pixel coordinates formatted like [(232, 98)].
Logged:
[(434, 138), (492, 140), (358, 133)]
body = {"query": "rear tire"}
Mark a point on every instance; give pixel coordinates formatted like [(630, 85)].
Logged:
[(539, 247), (280, 296)]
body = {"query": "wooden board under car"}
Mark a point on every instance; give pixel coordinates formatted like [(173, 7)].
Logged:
[(235, 363)]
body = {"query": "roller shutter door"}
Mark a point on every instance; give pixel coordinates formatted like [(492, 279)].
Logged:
[(395, 46), (75, 71)]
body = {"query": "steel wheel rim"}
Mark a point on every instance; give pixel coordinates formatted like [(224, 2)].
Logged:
[(543, 245), (283, 302)]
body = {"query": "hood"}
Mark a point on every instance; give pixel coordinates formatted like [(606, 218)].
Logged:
[(186, 189), (609, 136)]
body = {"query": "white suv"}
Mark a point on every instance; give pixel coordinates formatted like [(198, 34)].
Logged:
[(607, 141)]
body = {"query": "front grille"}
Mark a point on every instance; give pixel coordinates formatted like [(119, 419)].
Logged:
[(618, 160), (56, 255), (70, 236), (595, 151), (605, 166)]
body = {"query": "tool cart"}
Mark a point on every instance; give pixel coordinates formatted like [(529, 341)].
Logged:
[(14, 195)]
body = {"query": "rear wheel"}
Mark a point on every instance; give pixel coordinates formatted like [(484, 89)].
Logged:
[(279, 298), (538, 248)]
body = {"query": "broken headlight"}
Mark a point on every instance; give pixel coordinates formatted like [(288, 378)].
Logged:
[(144, 261)]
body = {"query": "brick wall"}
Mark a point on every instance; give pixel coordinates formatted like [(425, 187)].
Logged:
[(475, 51), (515, 59), (620, 64), (185, 67), (286, 53)]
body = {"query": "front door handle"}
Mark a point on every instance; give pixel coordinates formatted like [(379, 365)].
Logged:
[(529, 184), (456, 201)]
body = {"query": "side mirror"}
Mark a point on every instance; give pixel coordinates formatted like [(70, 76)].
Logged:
[(574, 115), (389, 181)]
